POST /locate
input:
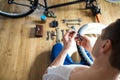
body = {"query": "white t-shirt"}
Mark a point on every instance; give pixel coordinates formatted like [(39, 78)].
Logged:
[(59, 72)]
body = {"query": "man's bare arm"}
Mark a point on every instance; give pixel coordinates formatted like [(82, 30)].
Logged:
[(68, 40), (60, 58)]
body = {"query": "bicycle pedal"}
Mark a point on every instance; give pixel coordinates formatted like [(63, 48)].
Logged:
[(49, 14)]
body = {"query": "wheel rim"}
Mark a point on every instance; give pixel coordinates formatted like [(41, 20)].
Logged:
[(15, 10)]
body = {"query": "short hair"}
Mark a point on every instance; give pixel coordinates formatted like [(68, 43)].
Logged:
[(112, 32)]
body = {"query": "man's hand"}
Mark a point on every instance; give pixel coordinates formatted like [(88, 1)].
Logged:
[(84, 42), (69, 39)]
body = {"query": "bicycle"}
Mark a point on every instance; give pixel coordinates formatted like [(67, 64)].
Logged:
[(21, 8)]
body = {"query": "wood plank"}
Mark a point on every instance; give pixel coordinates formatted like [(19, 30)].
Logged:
[(25, 57)]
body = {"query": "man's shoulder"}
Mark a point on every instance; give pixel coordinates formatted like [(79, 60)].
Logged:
[(80, 68), (78, 72)]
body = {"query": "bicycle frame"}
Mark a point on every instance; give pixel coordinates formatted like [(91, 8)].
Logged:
[(90, 4), (13, 2), (65, 4)]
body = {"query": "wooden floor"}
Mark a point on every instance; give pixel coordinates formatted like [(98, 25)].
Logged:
[(25, 57)]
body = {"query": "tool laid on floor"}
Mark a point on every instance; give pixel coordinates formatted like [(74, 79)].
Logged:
[(38, 31), (49, 14), (43, 17), (57, 35), (53, 34), (73, 28), (62, 30), (54, 23), (71, 24), (48, 35), (72, 20), (67, 30)]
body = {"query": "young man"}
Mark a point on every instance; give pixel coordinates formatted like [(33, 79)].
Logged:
[(106, 58)]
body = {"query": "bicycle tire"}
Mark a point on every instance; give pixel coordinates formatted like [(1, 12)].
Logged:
[(90, 28), (18, 15)]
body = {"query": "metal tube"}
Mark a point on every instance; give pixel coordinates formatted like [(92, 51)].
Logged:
[(65, 4)]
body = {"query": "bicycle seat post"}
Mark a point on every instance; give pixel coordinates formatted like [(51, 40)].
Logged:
[(10, 1), (46, 7)]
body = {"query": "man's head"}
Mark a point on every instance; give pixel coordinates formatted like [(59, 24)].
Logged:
[(112, 32), (109, 42)]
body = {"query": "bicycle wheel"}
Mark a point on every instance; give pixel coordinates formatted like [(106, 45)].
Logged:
[(17, 8)]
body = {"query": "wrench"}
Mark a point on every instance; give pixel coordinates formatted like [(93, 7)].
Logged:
[(57, 35), (72, 20), (48, 35), (62, 32)]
